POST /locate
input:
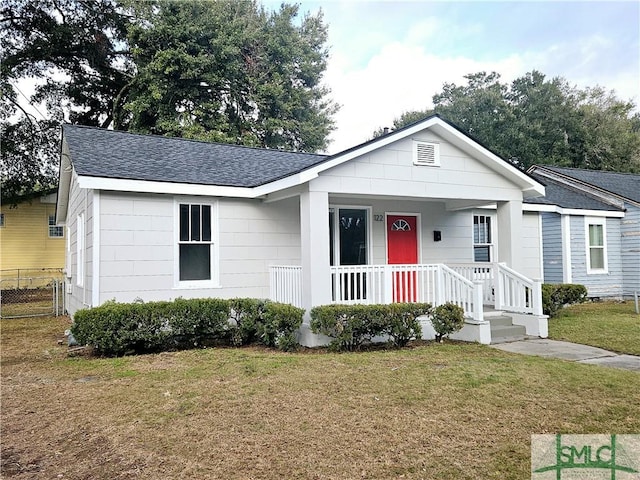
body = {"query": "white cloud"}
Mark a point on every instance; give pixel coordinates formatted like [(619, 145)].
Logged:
[(400, 77), (403, 76)]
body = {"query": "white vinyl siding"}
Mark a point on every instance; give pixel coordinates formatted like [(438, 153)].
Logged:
[(139, 246), (80, 239), (596, 243)]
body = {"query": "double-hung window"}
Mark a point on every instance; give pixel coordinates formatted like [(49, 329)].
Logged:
[(55, 231), (195, 242), (482, 243), (596, 243)]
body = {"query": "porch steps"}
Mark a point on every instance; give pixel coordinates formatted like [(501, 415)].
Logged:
[(502, 328)]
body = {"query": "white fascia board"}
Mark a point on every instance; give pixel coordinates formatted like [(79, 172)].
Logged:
[(282, 184), (534, 207), (145, 186)]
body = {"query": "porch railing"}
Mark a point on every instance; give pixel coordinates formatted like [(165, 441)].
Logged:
[(503, 287), (430, 283), (383, 284), (467, 285), (286, 284)]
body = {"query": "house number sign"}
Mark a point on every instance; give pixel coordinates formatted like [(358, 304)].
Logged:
[(378, 217)]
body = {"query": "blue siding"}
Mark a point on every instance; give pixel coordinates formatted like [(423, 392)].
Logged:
[(598, 285), (630, 249), (552, 247)]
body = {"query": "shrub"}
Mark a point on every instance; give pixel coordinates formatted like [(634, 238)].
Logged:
[(278, 325), (447, 319), (350, 326), (195, 322), (111, 328), (402, 324), (556, 296), (118, 329), (346, 324), (245, 314)]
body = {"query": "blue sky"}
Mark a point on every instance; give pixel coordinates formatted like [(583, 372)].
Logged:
[(389, 57)]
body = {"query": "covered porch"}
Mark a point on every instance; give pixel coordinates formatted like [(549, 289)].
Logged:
[(475, 287)]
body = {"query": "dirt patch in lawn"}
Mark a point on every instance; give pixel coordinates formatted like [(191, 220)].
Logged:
[(432, 411)]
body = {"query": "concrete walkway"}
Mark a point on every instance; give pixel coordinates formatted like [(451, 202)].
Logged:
[(572, 351)]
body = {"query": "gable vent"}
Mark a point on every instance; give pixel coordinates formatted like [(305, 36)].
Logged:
[(425, 153)]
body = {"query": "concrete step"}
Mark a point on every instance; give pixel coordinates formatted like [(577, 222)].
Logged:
[(500, 321), (507, 333)]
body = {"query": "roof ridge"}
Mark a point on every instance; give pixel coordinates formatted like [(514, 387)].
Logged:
[(193, 140), (589, 170), (575, 189)]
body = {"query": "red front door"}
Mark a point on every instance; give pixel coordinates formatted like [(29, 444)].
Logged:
[(402, 248)]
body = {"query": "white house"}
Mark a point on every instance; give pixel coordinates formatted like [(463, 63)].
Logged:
[(421, 214)]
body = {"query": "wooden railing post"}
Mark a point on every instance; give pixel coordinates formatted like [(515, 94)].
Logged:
[(498, 283), (388, 285), (537, 297), (440, 294), (478, 304)]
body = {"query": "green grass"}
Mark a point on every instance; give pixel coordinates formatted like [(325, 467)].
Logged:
[(610, 325), (438, 411)]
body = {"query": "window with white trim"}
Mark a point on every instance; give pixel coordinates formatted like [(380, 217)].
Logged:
[(596, 243), (195, 242), (80, 249), (426, 154), (55, 231), (482, 238)]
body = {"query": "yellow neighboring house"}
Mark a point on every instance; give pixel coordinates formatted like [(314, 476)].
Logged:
[(29, 237)]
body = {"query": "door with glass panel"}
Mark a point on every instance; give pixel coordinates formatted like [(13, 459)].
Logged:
[(348, 246)]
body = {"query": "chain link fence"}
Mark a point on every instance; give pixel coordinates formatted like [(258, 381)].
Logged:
[(32, 292)]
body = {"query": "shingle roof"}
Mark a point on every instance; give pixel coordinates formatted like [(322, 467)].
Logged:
[(98, 152), (625, 185), (557, 193)]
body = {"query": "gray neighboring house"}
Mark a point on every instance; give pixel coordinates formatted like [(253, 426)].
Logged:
[(590, 229), (423, 214)]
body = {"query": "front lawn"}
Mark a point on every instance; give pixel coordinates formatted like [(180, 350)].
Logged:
[(440, 411), (610, 325)]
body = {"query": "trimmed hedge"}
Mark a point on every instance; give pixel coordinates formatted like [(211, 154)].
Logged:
[(447, 319), (350, 326), (122, 328), (556, 296)]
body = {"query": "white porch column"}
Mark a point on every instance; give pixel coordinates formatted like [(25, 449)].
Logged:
[(510, 233), (314, 233)]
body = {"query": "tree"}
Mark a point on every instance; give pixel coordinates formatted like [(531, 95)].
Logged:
[(226, 71), (535, 120), (76, 50), (229, 71)]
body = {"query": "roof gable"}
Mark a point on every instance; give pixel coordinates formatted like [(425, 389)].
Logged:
[(451, 134)]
